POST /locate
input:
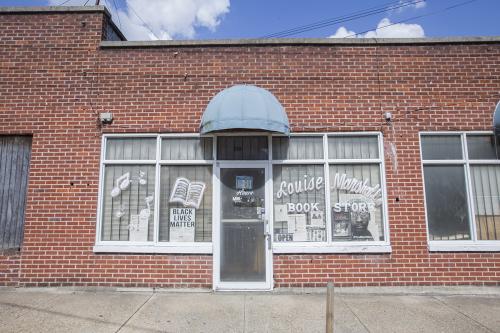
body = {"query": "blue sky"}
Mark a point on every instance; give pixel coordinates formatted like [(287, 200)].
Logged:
[(220, 19)]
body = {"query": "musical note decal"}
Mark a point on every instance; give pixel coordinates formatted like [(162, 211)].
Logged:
[(146, 212), (120, 212), (122, 183), (141, 178), (139, 223)]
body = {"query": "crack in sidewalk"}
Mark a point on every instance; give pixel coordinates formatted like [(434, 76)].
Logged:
[(133, 314), (354, 314), (462, 313)]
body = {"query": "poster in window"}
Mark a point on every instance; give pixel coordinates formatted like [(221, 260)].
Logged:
[(182, 224), (317, 219), (280, 213), (341, 225), (362, 215), (297, 226), (244, 182), (316, 234)]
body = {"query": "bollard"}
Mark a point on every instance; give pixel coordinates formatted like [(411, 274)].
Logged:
[(329, 307)]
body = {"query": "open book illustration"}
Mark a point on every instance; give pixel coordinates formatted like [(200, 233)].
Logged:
[(187, 193)]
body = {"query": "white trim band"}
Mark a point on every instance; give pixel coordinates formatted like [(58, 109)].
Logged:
[(461, 247), (131, 248), (309, 248)]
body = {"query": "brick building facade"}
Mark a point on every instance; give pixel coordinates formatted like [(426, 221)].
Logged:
[(61, 68)]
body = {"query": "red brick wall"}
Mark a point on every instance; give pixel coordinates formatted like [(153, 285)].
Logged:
[(56, 79), (9, 267)]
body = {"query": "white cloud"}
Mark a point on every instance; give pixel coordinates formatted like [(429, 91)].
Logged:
[(386, 29), (167, 18), (342, 32), (398, 30), (417, 5)]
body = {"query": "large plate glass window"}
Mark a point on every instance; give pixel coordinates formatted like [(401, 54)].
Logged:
[(128, 191), (186, 190), (180, 168), (299, 189), (328, 189), (299, 203), (356, 191), (462, 186)]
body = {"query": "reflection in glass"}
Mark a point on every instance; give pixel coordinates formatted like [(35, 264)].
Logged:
[(441, 147), (482, 147), (242, 148), (446, 202), (242, 238)]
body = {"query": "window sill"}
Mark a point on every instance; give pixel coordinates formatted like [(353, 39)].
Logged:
[(451, 246), (337, 248), (204, 248)]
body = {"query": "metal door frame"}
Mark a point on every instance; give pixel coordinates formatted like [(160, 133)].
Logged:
[(244, 286)]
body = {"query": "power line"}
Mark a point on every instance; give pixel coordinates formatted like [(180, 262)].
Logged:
[(117, 14), (345, 18), (140, 18), (416, 17), (64, 2)]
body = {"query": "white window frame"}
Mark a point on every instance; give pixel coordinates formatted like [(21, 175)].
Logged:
[(206, 247), (154, 246), (472, 245), (330, 246)]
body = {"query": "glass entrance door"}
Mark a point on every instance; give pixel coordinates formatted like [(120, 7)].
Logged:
[(243, 245)]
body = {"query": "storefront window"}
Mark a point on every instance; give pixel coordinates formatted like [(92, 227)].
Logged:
[(128, 190), (157, 191), (446, 194), (355, 211), (462, 187), (299, 203), (186, 203), (357, 202), (129, 183)]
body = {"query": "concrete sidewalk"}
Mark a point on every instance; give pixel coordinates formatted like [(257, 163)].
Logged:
[(461, 309)]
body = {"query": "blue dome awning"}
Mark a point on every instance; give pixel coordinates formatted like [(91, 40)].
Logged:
[(244, 107)]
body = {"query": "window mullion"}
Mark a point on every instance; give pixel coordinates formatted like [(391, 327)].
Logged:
[(470, 195), (383, 184), (156, 219), (328, 217)]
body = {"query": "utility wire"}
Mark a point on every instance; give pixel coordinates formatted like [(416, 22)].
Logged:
[(345, 18), (117, 14), (140, 18), (64, 2), (416, 17)]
